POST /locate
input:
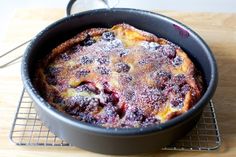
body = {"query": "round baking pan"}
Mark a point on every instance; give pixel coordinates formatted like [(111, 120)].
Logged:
[(119, 140)]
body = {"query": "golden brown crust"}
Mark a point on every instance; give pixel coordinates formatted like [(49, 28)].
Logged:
[(119, 77)]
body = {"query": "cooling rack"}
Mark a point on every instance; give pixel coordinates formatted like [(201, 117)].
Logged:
[(28, 130)]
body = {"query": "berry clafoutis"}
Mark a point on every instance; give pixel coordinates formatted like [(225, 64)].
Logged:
[(119, 77)]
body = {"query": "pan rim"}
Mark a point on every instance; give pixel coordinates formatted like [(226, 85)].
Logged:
[(118, 131)]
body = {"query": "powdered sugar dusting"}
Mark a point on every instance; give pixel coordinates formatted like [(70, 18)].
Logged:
[(104, 81)]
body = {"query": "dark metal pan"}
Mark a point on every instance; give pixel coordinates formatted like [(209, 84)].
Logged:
[(111, 140)]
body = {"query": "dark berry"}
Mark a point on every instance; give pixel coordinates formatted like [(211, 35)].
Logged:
[(82, 88), (88, 41), (134, 114), (58, 99), (94, 102), (82, 73), (52, 80), (161, 78), (103, 70), (115, 43), (88, 87), (176, 88), (109, 115), (80, 115), (163, 74), (177, 102), (177, 61), (149, 121), (73, 112), (51, 73), (52, 70), (129, 95), (70, 103), (93, 105), (179, 80), (123, 125), (83, 102), (125, 78), (111, 110), (75, 49), (185, 89), (143, 62), (108, 36), (103, 60), (168, 51), (153, 96), (74, 105), (65, 57), (89, 119), (86, 60), (171, 88), (122, 67)]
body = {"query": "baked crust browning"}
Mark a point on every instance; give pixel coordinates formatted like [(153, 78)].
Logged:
[(119, 77)]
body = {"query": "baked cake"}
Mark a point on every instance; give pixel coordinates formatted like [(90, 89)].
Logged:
[(119, 77)]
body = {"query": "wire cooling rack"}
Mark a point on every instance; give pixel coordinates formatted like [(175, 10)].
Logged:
[(28, 130)]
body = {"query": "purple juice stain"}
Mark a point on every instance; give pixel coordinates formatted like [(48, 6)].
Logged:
[(182, 32)]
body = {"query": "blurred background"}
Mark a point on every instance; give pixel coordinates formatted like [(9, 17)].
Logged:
[(7, 8)]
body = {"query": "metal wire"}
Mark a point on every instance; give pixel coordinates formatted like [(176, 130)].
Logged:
[(3, 65), (28, 130)]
